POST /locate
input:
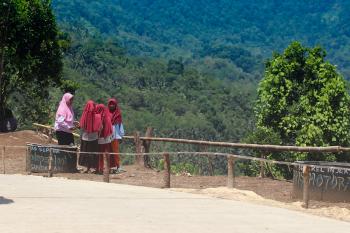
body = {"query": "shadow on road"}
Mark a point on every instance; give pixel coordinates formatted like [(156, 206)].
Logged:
[(4, 201)]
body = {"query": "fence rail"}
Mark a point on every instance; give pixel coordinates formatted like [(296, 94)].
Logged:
[(326, 149)]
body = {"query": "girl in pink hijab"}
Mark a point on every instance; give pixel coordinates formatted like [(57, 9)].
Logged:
[(64, 122)]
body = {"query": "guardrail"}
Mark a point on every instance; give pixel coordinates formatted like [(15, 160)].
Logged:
[(142, 145), (327, 149)]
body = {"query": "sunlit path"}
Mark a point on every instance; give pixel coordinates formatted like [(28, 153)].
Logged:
[(37, 204)]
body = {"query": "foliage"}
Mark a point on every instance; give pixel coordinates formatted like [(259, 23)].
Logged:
[(30, 56), (242, 33), (176, 101), (184, 168), (304, 100), (69, 86), (188, 68), (267, 136)]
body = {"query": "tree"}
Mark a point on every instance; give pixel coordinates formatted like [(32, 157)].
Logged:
[(304, 100), (175, 67), (265, 135), (30, 55)]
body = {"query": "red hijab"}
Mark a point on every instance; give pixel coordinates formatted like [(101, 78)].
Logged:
[(116, 115), (106, 120), (89, 120)]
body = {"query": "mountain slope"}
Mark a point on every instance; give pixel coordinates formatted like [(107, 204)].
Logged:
[(191, 28)]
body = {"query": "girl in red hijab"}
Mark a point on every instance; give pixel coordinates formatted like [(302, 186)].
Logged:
[(118, 129), (105, 136), (90, 125)]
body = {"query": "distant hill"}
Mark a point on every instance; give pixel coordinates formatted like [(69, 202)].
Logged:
[(242, 33)]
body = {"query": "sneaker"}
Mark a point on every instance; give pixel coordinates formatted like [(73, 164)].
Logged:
[(119, 170)]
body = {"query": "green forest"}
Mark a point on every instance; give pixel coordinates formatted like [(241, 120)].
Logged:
[(192, 68)]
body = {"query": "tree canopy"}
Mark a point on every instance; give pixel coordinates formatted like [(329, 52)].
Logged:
[(304, 100), (30, 54), (235, 36)]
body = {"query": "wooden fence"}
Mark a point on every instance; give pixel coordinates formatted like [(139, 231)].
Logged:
[(142, 145), (142, 148), (327, 149)]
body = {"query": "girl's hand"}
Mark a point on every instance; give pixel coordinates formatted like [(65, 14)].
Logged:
[(76, 124)]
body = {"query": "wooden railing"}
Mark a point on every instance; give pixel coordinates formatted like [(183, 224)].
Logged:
[(326, 149), (142, 146)]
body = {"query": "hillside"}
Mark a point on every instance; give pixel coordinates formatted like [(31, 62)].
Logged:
[(187, 68), (241, 32)]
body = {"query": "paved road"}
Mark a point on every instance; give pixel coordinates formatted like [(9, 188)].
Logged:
[(37, 205)]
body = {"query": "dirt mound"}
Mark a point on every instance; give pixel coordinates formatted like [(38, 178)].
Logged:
[(20, 138), (15, 157), (339, 211), (226, 193)]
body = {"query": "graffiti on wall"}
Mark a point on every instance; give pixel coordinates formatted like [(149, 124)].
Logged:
[(326, 179)]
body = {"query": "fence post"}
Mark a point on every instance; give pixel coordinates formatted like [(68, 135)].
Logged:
[(138, 148), (78, 156), (50, 136), (147, 145), (3, 160), (166, 170), (28, 161), (106, 157), (230, 171), (306, 189), (262, 167), (49, 174), (210, 165)]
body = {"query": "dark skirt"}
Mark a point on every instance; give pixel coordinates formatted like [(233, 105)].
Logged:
[(89, 160), (104, 148), (64, 138)]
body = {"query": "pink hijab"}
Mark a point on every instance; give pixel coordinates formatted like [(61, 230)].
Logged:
[(65, 110)]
